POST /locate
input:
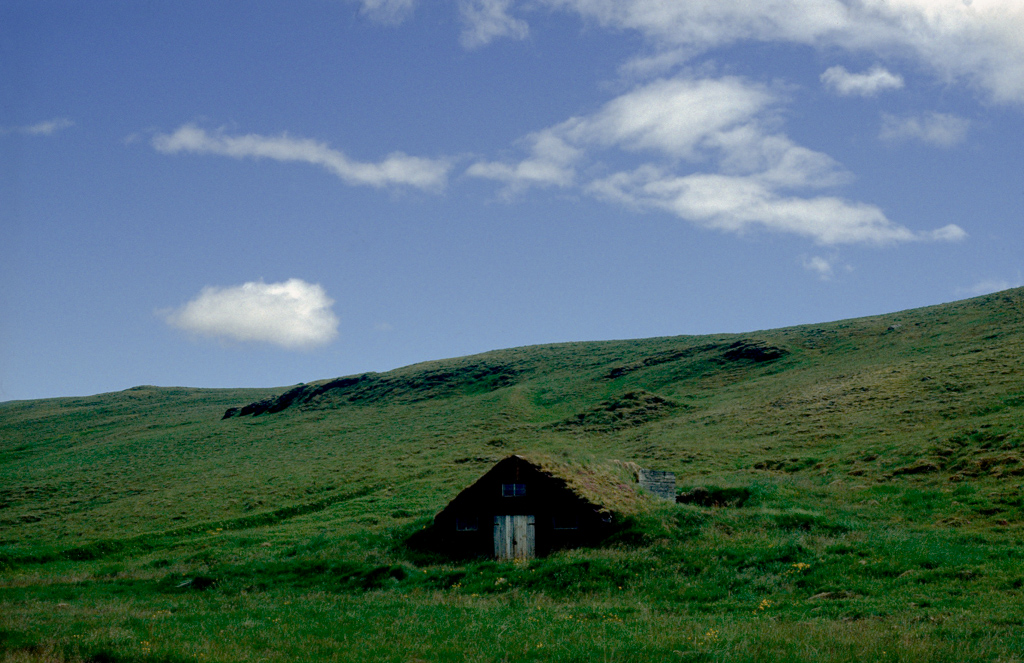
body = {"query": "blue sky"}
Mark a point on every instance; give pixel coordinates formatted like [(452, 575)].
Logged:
[(260, 194)]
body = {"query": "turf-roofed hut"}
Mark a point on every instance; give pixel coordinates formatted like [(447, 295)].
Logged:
[(527, 507)]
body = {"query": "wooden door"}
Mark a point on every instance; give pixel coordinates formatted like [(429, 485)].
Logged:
[(514, 537)]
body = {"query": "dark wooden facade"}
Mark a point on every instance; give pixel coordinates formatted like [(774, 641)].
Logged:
[(518, 509)]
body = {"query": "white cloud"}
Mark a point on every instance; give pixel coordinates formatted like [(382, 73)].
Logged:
[(776, 160), (47, 128), (396, 169), (672, 116), (487, 20), (549, 164), (702, 24), (678, 118), (742, 204), (864, 85), (724, 120), (947, 233), (752, 177), (820, 266), (293, 314), (937, 129), (390, 12), (722, 125), (978, 41)]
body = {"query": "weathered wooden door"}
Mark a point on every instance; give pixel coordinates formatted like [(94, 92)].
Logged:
[(514, 537)]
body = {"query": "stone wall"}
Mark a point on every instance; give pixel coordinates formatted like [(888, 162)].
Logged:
[(658, 483)]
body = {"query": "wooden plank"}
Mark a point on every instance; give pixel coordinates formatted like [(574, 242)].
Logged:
[(524, 541), (503, 537), (530, 538), (515, 537)]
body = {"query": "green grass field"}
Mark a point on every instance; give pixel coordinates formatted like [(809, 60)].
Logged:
[(861, 501)]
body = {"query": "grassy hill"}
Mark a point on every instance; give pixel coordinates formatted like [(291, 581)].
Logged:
[(854, 493)]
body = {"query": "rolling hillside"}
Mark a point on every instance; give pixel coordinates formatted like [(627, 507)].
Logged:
[(867, 472)]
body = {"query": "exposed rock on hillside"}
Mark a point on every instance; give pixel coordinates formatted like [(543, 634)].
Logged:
[(758, 351), (714, 353), (407, 386), (661, 358)]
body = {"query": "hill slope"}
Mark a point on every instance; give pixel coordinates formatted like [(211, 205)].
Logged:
[(835, 436), (905, 386)]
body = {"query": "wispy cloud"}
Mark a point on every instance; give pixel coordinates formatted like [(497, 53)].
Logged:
[(550, 164), (976, 41), (396, 169), (673, 116), (390, 12), (823, 267), (292, 314), (748, 177), (743, 204), (947, 233), (937, 129), (487, 20), (47, 128), (867, 84)]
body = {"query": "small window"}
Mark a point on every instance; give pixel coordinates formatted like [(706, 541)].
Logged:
[(513, 489), (565, 522), (467, 524)]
